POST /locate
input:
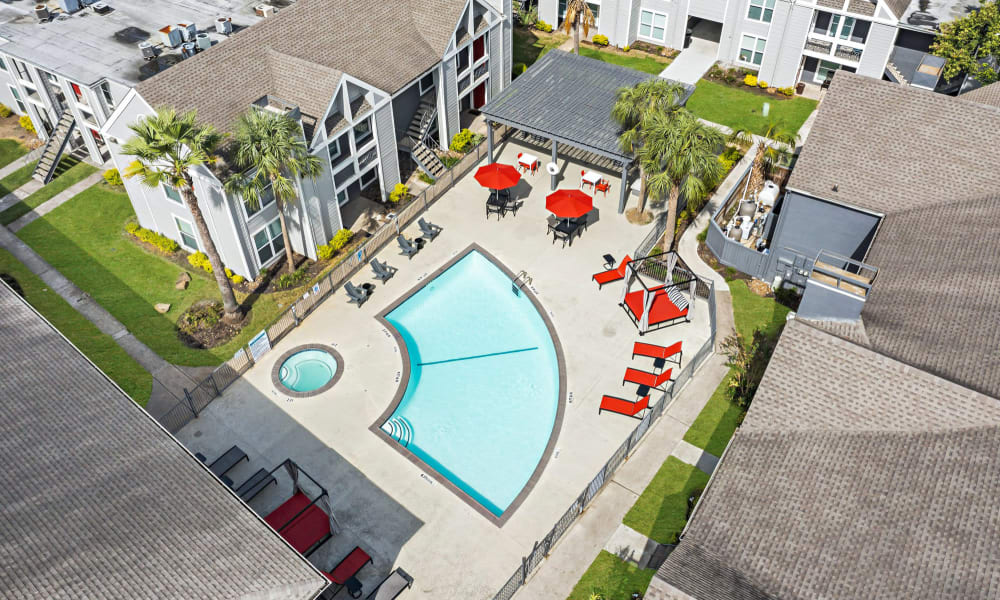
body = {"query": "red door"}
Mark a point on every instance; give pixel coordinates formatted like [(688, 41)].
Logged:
[(478, 48), (479, 95)]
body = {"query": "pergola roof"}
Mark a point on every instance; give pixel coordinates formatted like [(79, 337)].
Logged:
[(568, 98)]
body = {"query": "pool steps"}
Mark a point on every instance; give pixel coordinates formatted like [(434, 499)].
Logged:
[(400, 430)]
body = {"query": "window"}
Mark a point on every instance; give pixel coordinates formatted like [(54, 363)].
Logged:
[(752, 49), (369, 178), (462, 60), (653, 26), (342, 197), (268, 241), (266, 199), (362, 131), (108, 98), (17, 98), (337, 148), (847, 29), (22, 70), (3, 65), (426, 83), (172, 193), (761, 10), (824, 70), (186, 232)]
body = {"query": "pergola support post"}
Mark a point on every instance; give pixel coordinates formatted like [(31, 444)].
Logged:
[(489, 141), (555, 160), (623, 193)]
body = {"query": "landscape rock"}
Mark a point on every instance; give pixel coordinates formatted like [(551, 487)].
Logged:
[(182, 281), (161, 307)]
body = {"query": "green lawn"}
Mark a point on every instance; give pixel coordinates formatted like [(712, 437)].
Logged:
[(612, 578), (98, 347), (661, 511), (70, 176), (530, 45), (742, 109), (645, 64), (718, 420), (10, 150), (84, 239), (16, 179)]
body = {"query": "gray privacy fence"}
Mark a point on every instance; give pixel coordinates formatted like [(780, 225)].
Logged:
[(704, 289), (224, 375)]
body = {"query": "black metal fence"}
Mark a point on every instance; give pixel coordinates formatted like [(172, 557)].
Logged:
[(224, 375), (705, 289)]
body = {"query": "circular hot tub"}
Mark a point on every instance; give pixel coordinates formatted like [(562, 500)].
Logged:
[(307, 370)]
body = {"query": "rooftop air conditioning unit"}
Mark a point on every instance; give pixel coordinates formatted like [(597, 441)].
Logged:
[(41, 12), (224, 25), (171, 36), (264, 10), (101, 8), (188, 49), (204, 42), (147, 49), (188, 31), (69, 6)]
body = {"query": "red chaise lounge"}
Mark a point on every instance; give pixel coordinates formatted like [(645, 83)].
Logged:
[(663, 311), (349, 566), (623, 407), (660, 354), (646, 378), (301, 522), (612, 275)]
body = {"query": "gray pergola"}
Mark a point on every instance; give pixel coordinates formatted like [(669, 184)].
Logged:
[(567, 99)]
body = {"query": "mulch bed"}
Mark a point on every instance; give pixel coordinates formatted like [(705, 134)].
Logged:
[(213, 335), (10, 128)]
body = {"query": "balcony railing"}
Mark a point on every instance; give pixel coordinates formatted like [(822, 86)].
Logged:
[(843, 273), (830, 49)]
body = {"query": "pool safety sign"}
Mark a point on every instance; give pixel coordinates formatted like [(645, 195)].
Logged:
[(259, 345)]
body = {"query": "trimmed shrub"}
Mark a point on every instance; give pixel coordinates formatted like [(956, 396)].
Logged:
[(324, 252), (750, 80), (518, 69), (543, 26), (199, 260), (26, 124), (788, 91), (400, 192), (461, 141), (237, 279), (161, 242), (762, 84), (113, 177), (600, 40), (341, 238), (5, 111), (626, 48), (198, 318)]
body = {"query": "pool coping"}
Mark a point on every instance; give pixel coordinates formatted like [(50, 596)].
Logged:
[(276, 370), (376, 427)]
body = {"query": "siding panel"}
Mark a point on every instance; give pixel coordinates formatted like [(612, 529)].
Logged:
[(388, 157)]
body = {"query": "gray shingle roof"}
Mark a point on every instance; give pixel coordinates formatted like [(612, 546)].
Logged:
[(303, 50), (98, 501), (853, 476), (569, 96), (888, 147), (988, 94), (898, 7)]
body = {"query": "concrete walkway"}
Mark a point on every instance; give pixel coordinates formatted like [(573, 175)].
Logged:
[(12, 198), (692, 63), (56, 201), (169, 381), (695, 456), (20, 162)]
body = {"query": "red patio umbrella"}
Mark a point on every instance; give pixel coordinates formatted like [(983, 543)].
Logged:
[(496, 176), (569, 204)]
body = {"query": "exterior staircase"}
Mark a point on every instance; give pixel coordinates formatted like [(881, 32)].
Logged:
[(420, 140), (895, 73), (45, 170)]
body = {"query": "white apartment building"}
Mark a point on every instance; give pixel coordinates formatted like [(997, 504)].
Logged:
[(787, 41)]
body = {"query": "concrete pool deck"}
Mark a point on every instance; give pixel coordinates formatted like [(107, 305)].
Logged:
[(402, 516)]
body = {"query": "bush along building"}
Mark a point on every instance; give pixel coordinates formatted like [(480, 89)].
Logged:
[(372, 89), (786, 42)]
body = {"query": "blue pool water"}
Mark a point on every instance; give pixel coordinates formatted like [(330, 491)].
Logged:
[(307, 370), (483, 392)]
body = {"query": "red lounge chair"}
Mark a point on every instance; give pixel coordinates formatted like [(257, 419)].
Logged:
[(646, 378), (622, 406), (659, 353), (349, 567), (304, 525), (612, 275)]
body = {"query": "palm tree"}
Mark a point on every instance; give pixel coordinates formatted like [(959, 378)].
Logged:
[(771, 147), (578, 15), (681, 157), (270, 152), (166, 146), (631, 107)]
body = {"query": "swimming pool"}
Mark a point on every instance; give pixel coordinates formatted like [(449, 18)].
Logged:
[(483, 393)]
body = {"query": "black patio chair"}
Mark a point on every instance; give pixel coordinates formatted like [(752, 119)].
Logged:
[(383, 272), (428, 230), (355, 295), (229, 459), (254, 485), (408, 248)]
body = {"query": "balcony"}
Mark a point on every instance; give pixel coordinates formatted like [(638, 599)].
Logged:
[(830, 49), (837, 288)]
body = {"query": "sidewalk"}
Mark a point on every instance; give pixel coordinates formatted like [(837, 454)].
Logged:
[(20, 162), (56, 201), (169, 380)]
